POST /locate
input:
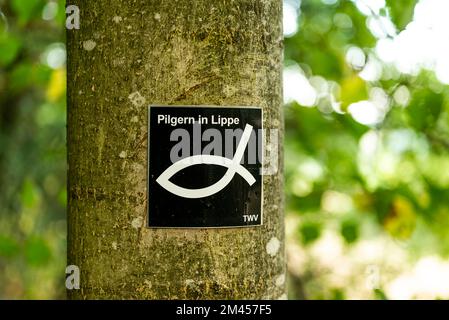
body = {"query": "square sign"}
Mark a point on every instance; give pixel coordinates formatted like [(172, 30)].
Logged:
[(204, 166)]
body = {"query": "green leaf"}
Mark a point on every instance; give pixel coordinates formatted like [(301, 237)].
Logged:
[(10, 46), (29, 194), (425, 108), (62, 197), (401, 219), (26, 9), (41, 74), (21, 77), (380, 294), (61, 15), (324, 62), (338, 294), (350, 231), (353, 89), (8, 247), (310, 231), (401, 12), (37, 252)]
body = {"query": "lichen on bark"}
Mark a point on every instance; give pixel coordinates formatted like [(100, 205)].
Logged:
[(125, 56)]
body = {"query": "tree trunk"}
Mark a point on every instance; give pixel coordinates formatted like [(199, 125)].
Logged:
[(126, 55)]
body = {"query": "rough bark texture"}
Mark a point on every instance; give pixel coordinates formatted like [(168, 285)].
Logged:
[(129, 54)]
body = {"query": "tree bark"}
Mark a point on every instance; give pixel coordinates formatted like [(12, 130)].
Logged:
[(126, 55)]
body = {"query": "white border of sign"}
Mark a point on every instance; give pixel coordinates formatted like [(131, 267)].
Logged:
[(148, 168)]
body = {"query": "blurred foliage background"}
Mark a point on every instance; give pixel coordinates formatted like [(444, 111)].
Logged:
[(32, 149), (367, 141)]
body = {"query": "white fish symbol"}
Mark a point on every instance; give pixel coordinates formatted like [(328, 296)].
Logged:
[(233, 166)]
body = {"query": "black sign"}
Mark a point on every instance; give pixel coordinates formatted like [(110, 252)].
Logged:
[(204, 167)]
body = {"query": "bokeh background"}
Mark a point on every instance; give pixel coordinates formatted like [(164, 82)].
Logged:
[(366, 85)]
